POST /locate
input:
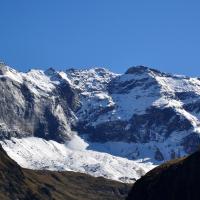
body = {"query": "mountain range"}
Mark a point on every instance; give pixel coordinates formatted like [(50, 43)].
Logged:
[(94, 121)]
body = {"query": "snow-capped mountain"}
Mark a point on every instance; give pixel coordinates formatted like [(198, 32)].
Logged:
[(141, 116), (143, 106)]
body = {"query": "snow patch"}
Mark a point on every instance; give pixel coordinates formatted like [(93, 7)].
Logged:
[(77, 143)]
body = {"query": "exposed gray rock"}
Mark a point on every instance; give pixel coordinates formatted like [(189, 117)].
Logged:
[(23, 113), (158, 155), (191, 143)]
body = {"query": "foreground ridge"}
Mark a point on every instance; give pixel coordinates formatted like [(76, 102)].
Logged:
[(176, 179)]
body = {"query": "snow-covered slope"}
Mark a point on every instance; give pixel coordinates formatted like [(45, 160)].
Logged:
[(143, 115), (37, 153)]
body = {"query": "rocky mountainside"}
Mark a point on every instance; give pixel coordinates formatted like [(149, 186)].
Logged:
[(141, 106), (158, 111), (143, 115), (25, 184), (35, 103), (176, 179)]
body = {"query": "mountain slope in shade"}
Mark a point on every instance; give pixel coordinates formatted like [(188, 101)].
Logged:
[(176, 179), (25, 184)]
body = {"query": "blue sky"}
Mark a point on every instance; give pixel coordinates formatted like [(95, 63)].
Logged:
[(115, 34)]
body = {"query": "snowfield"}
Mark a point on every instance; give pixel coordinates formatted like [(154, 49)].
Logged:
[(37, 153)]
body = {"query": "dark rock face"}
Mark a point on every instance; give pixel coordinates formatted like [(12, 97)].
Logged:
[(158, 155), (142, 129), (24, 184), (117, 87), (178, 179), (156, 120), (193, 107), (191, 143), (186, 95), (110, 131), (140, 69)]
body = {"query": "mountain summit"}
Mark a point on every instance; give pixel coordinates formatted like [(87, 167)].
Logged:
[(140, 69)]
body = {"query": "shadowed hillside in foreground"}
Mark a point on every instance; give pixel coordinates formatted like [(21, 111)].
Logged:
[(24, 184), (176, 179)]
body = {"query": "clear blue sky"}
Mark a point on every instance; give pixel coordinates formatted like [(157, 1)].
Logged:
[(115, 34)]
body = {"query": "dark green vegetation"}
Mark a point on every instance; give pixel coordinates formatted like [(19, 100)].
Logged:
[(174, 180), (17, 183)]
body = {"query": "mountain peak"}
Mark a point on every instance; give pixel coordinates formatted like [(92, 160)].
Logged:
[(2, 63), (3, 68), (50, 71), (140, 69), (98, 70)]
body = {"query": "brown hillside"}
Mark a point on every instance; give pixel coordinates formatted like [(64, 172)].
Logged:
[(174, 180)]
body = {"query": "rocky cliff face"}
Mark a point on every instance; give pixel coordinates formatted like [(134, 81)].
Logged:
[(36, 103), (156, 113), (142, 106)]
